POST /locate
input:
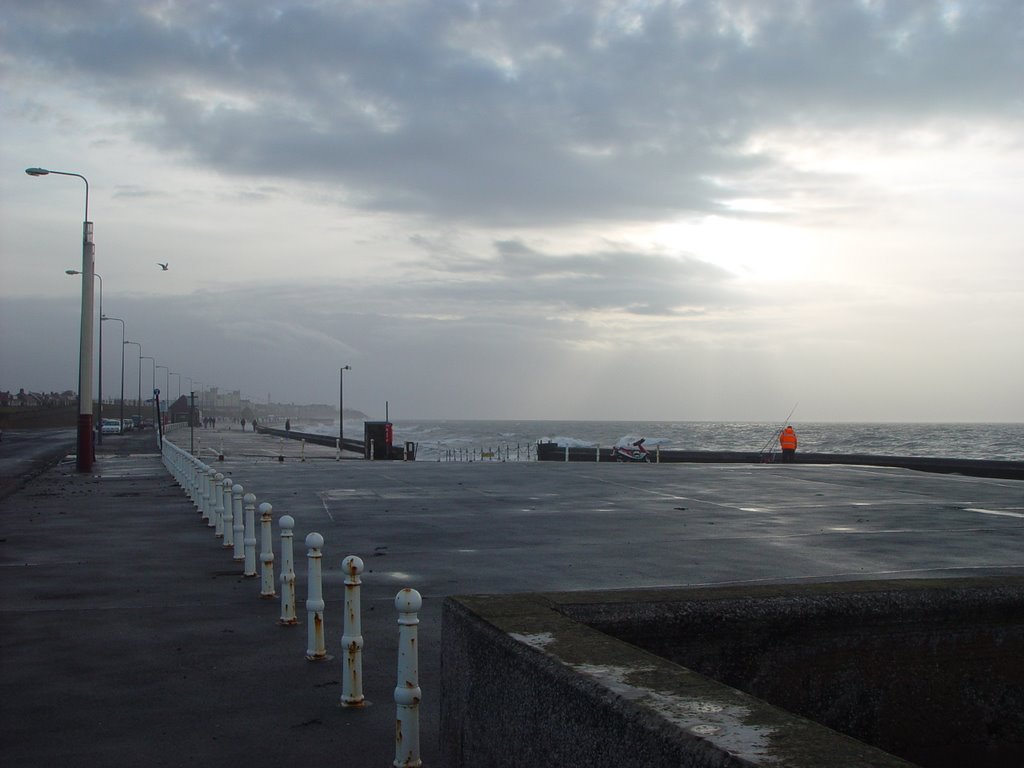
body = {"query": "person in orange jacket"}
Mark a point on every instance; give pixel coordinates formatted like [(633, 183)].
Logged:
[(787, 441)]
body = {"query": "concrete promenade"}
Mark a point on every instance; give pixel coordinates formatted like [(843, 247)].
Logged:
[(130, 637)]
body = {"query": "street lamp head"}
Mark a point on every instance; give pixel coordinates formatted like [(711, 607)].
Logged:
[(72, 272), (37, 172)]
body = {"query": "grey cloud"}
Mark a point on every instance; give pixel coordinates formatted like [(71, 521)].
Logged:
[(520, 113), (615, 279)]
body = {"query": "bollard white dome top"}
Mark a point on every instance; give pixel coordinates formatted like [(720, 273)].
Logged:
[(408, 601), (236, 488), (286, 521), (249, 498), (314, 540), (266, 508), (228, 482), (353, 564), (218, 476)]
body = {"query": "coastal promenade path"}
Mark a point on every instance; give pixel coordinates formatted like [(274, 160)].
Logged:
[(130, 637)]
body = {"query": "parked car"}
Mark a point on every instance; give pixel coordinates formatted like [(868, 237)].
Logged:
[(111, 427), (127, 425)]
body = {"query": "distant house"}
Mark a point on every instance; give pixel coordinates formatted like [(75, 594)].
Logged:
[(178, 412)]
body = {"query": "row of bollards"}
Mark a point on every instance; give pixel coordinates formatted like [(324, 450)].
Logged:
[(225, 507), (501, 453)]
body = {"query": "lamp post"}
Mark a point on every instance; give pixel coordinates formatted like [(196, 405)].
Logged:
[(167, 388), (153, 361), (85, 448), (137, 344), (178, 390), (341, 407), (120, 418), (99, 359)]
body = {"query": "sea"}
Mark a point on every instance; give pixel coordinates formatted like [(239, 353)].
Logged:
[(516, 440)]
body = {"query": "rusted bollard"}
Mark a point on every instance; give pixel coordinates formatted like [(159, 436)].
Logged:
[(267, 551), (280, 449), (316, 649), (287, 525), (407, 691), (249, 569), (237, 523), (226, 485), (352, 636)]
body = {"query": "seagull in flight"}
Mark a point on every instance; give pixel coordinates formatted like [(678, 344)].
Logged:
[(163, 266)]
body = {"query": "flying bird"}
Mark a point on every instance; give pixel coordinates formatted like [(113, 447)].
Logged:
[(162, 266)]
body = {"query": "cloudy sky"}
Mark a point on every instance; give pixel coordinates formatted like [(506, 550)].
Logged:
[(542, 209)]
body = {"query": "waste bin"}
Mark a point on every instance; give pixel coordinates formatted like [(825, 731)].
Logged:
[(410, 451)]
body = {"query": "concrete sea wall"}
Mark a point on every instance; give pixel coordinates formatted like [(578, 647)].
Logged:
[(791, 675)]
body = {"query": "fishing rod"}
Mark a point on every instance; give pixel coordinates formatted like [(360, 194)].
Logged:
[(775, 436)]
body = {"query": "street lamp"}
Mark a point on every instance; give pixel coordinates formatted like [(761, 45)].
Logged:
[(85, 448), (178, 390), (99, 363), (341, 406), (167, 388), (153, 361), (137, 344), (118, 319)]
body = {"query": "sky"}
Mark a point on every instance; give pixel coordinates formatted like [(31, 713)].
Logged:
[(547, 209)]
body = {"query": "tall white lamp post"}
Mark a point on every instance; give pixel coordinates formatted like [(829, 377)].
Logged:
[(85, 447), (120, 417), (99, 359), (137, 344), (341, 407)]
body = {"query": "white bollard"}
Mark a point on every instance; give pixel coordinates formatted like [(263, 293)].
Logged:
[(197, 485), (352, 636), (237, 523), (597, 454), (227, 484), (316, 649), (302, 451), (567, 453), (249, 569), (288, 618), (217, 494), (208, 481), (337, 450), (267, 551), (407, 691), (228, 518)]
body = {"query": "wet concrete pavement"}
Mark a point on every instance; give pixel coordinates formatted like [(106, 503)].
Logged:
[(130, 635)]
